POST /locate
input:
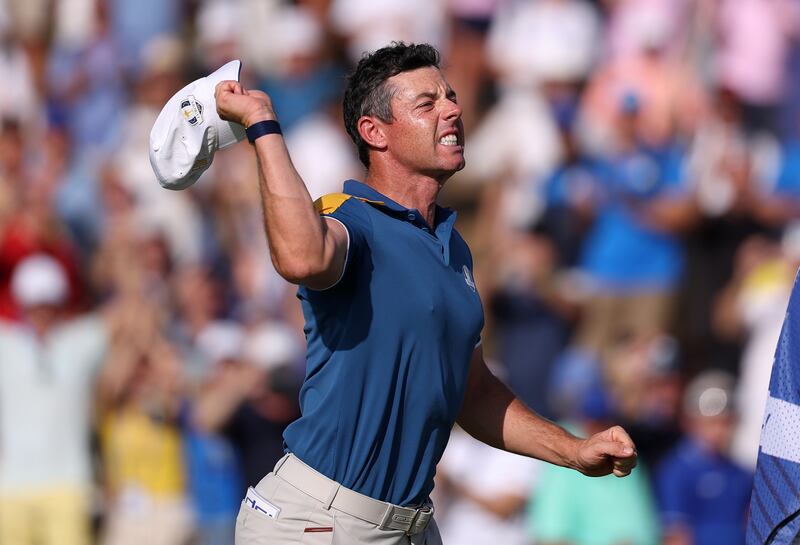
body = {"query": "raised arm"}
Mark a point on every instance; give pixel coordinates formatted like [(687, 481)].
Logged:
[(492, 414), (305, 249)]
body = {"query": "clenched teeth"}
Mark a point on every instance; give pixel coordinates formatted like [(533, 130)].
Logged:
[(449, 140)]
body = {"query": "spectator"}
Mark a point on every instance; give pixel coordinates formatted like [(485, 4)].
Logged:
[(703, 495), (47, 367), (139, 402), (251, 402), (87, 87), (304, 80), (632, 253), (670, 99), (531, 314), (644, 375), (212, 465), (752, 307), (136, 23), (32, 225), (567, 509)]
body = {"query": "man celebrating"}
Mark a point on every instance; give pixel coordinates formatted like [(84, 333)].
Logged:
[(393, 321)]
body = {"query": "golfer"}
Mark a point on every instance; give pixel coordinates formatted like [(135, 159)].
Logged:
[(393, 321)]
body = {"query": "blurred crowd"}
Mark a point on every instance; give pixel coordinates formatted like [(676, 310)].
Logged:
[(631, 196)]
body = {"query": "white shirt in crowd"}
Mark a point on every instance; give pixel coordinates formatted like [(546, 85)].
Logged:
[(489, 472), (45, 403)]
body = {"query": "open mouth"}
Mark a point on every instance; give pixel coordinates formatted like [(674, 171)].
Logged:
[(449, 140)]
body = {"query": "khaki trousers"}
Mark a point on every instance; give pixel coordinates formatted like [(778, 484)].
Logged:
[(49, 516), (607, 317), (303, 520)]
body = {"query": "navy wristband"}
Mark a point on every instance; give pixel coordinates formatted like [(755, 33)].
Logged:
[(257, 130)]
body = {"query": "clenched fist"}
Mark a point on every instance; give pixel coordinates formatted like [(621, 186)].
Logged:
[(610, 451), (240, 105)]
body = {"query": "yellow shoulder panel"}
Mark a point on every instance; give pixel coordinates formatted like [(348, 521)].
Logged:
[(328, 204)]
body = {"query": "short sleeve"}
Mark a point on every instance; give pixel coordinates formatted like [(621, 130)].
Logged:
[(352, 214)]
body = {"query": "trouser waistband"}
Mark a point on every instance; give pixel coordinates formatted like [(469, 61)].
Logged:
[(385, 515)]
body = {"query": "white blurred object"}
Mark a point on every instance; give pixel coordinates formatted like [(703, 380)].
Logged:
[(710, 394), (222, 340), (271, 345), (490, 473), (163, 54), (323, 154), (762, 306), (18, 100), (546, 40), (638, 24), (74, 24), (39, 280), (518, 137), (372, 24), (259, 54), (296, 31), (218, 21)]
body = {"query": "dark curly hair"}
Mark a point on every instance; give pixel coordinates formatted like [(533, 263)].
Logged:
[(367, 91)]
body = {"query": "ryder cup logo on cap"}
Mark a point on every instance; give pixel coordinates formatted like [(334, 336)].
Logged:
[(189, 131), (192, 111)]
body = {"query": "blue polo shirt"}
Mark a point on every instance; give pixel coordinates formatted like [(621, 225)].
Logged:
[(621, 251), (389, 348), (705, 492)]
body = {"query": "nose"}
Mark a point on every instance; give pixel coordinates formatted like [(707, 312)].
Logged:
[(452, 111)]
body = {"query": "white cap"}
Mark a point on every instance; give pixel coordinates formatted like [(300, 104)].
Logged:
[(188, 131), (39, 280), (272, 345)]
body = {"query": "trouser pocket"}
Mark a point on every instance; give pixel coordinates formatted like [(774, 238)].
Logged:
[(276, 514)]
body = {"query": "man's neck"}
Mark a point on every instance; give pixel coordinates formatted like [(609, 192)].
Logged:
[(411, 190)]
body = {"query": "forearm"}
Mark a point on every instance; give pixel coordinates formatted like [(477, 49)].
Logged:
[(503, 421), (214, 407)]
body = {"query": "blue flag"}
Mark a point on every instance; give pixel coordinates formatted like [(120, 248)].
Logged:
[(775, 504)]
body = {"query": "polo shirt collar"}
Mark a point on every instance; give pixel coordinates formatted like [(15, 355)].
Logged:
[(364, 191), (444, 218)]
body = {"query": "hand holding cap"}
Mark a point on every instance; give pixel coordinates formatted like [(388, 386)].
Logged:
[(189, 131)]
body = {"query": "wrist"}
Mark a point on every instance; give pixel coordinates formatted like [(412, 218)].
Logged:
[(263, 115), (573, 453), (262, 128)]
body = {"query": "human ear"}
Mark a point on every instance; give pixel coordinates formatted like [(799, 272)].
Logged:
[(372, 131)]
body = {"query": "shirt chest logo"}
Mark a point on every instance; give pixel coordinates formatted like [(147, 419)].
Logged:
[(468, 278)]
